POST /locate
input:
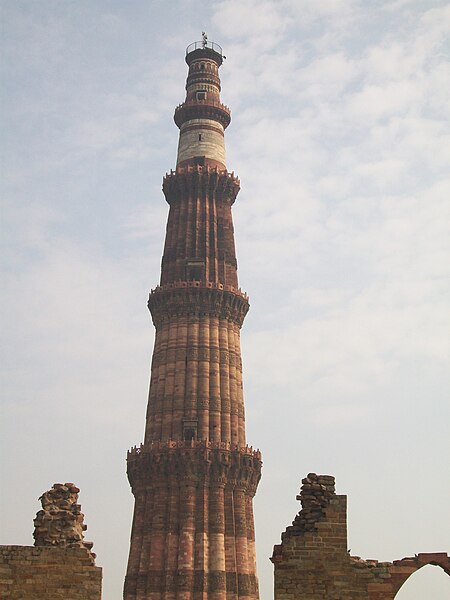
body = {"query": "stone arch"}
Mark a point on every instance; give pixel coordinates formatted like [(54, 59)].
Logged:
[(427, 581), (402, 570)]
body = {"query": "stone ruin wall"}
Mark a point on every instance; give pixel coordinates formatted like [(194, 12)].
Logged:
[(313, 563), (61, 522), (60, 565)]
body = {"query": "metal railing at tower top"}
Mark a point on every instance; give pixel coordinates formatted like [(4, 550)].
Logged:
[(203, 45)]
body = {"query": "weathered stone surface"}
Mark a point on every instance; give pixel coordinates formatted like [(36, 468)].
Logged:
[(60, 522), (50, 573), (313, 563), (60, 565), (194, 476)]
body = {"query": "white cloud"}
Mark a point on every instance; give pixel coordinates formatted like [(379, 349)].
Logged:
[(250, 19)]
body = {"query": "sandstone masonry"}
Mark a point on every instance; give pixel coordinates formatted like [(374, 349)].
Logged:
[(195, 476), (60, 522), (313, 563), (61, 565)]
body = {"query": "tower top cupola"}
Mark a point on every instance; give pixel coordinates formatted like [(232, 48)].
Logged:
[(202, 118), (204, 49)]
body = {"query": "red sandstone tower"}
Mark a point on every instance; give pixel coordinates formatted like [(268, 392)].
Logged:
[(194, 477)]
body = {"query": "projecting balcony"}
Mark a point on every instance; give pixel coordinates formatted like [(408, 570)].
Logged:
[(204, 49), (202, 45), (202, 109)]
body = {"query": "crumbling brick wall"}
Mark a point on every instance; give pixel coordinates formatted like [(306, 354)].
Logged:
[(312, 561), (49, 573), (61, 564)]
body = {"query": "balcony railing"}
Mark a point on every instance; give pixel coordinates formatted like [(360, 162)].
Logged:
[(202, 45)]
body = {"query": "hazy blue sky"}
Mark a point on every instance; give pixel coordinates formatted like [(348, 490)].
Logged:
[(341, 138)]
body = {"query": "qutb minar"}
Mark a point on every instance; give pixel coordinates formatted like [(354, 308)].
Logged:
[(194, 477)]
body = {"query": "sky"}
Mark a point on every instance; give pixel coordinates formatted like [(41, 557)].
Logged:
[(340, 135)]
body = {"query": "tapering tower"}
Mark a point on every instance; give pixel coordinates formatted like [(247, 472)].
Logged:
[(194, 477)]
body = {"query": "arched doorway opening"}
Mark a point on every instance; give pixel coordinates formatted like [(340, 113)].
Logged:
[(430, 582)]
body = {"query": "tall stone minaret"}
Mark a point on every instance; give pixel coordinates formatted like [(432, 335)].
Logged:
[(194, 477)]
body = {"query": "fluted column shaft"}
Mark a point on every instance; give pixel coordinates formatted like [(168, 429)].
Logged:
[(194, 477)]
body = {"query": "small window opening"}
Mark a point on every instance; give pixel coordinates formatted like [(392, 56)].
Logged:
[(190, 429), (189, 434), (195, 270), (199, 137), (201, 95), (202, 66)]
